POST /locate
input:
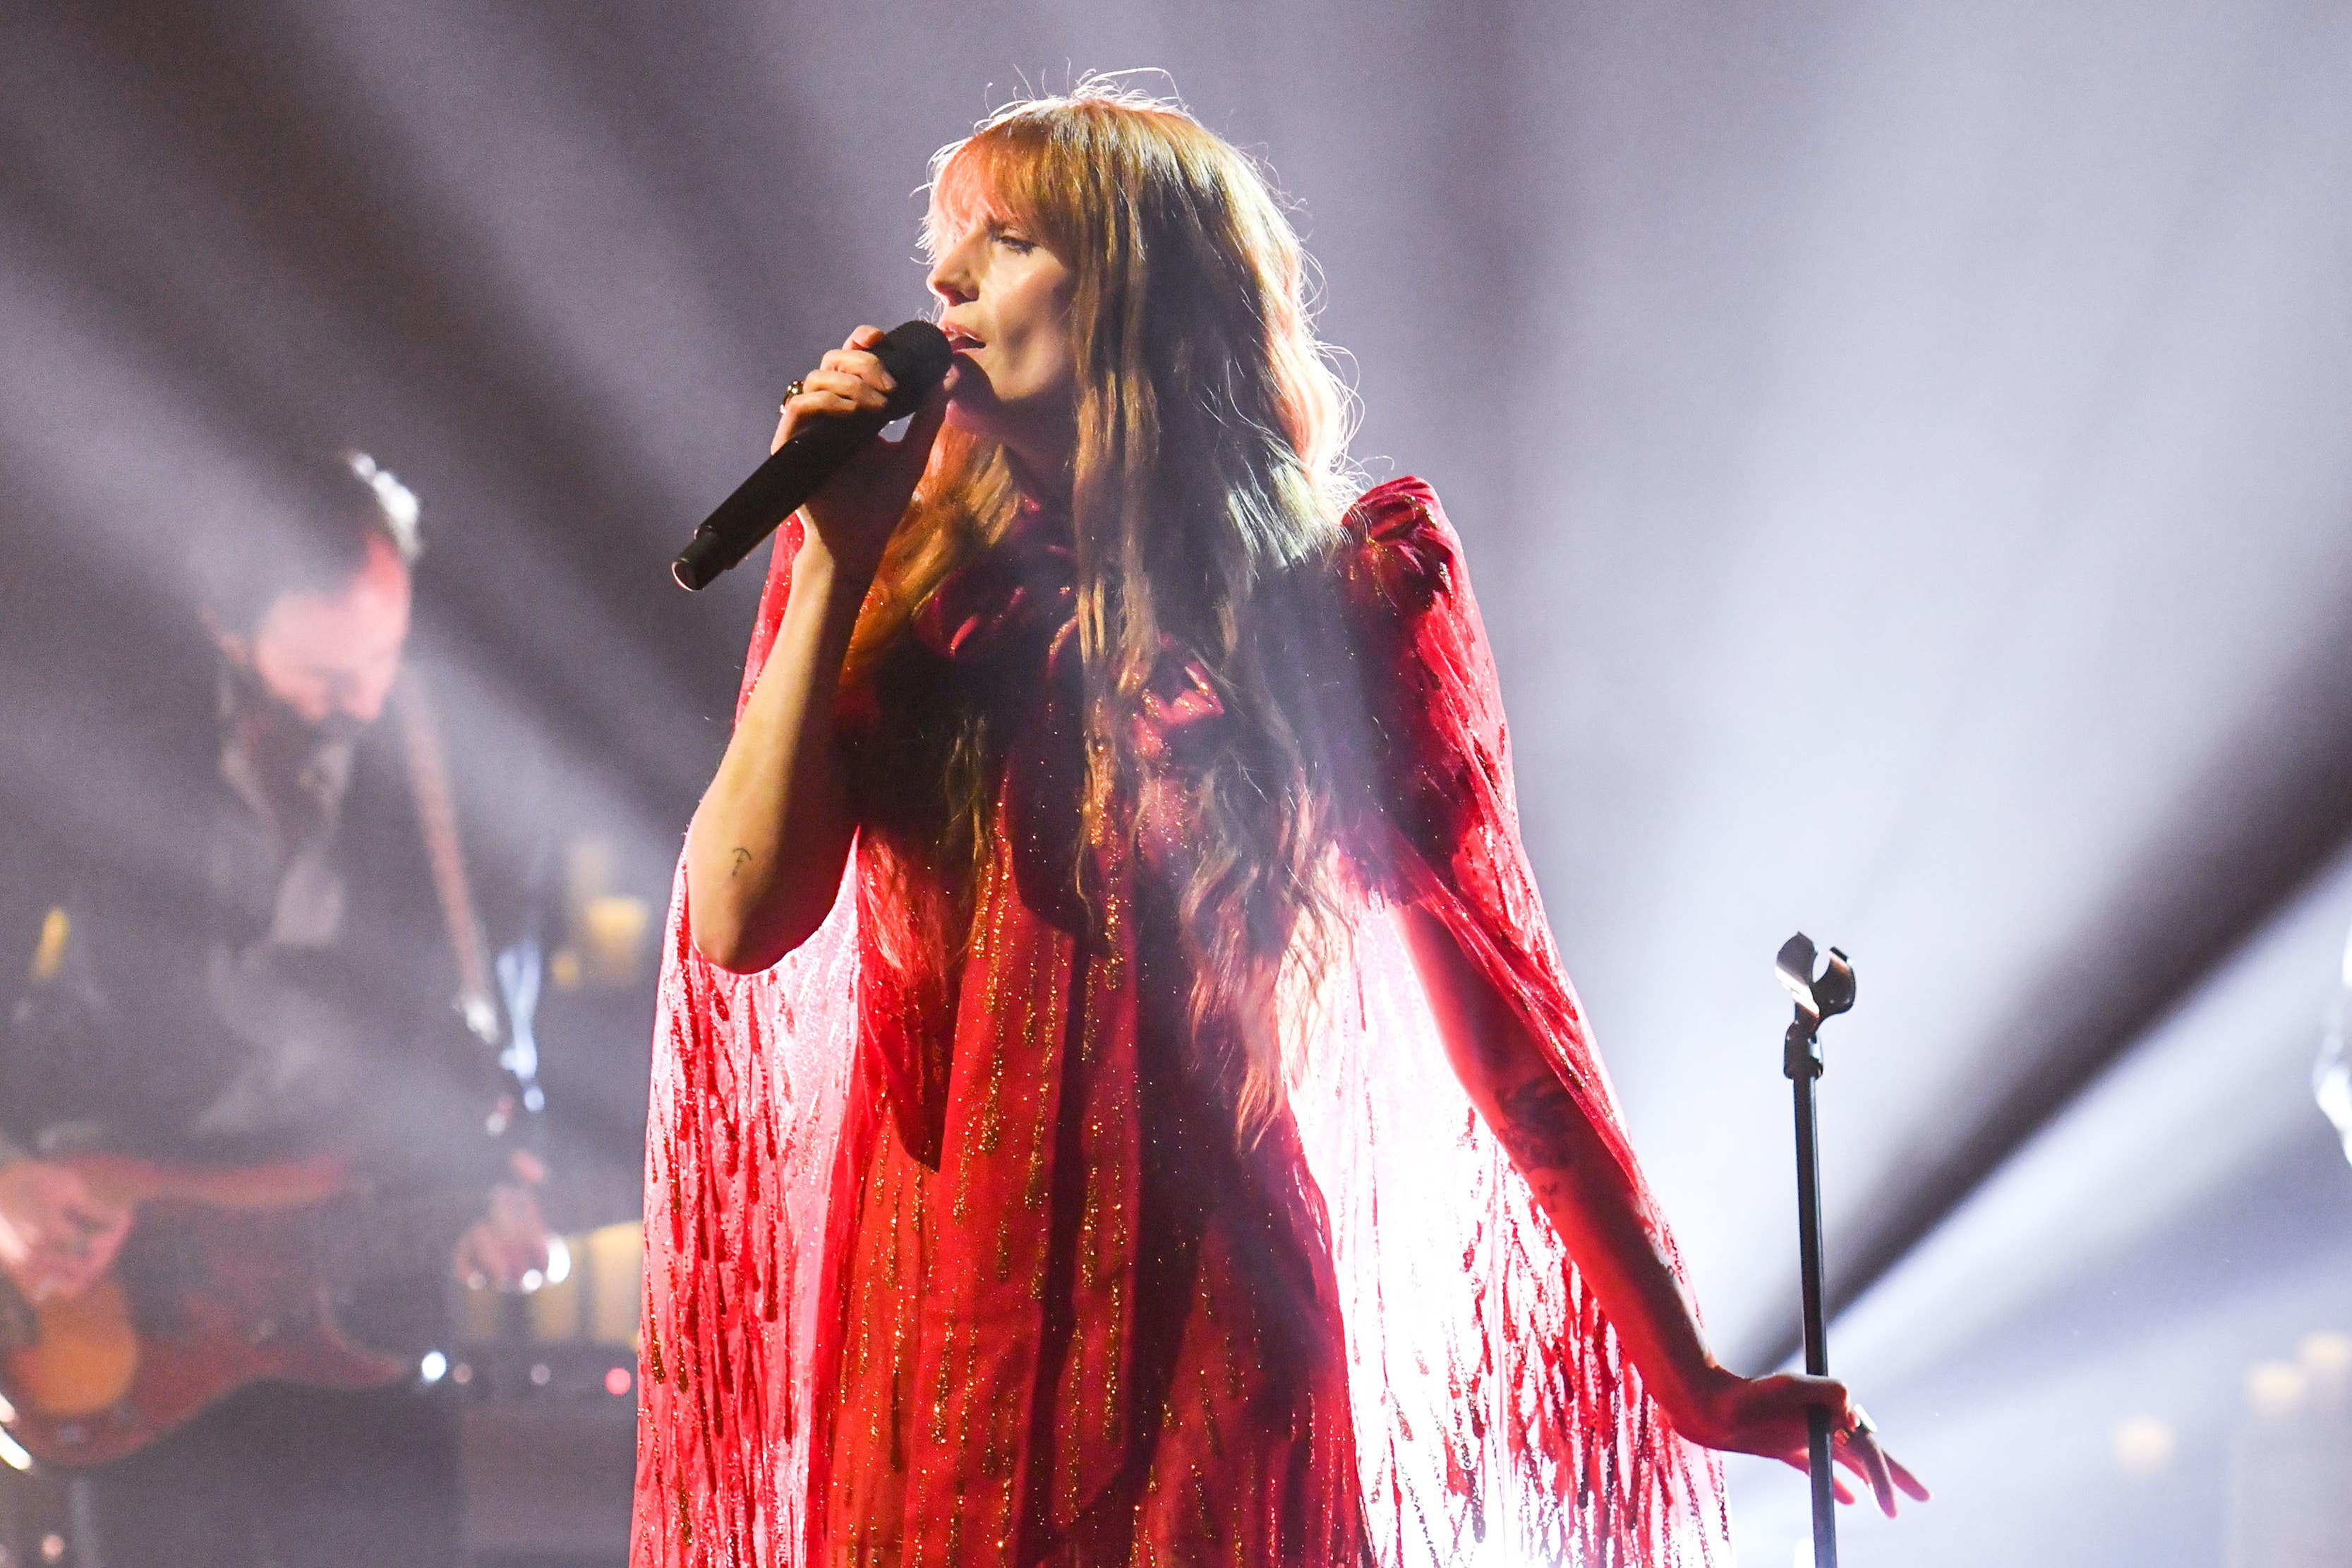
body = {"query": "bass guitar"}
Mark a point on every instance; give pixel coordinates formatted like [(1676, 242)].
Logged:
[(230, 1275)]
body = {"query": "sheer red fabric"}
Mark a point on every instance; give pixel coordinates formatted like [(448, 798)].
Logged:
[(954, 1259)]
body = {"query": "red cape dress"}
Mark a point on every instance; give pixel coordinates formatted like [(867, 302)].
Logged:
[(952, 1258)]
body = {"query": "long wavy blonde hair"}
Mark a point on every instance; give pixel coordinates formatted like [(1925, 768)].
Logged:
[(1209, 479)]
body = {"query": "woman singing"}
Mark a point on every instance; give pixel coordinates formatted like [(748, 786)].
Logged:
[(1118, 1100)]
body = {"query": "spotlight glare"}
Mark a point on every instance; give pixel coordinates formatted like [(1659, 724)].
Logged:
[(2325, 1358), (2144, 1445), (2275, 1389), (2326, 1350)]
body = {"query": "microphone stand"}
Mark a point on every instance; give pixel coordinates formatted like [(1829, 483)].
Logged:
[(1817, 999)]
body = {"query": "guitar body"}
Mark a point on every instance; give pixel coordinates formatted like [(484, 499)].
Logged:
[(218, 1285)]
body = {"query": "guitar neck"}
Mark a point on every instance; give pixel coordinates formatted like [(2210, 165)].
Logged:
[(437, 816)]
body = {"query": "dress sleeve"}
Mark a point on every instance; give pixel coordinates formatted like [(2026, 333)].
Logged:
[(746, 1117), (1593, 1467), (1441, 825)]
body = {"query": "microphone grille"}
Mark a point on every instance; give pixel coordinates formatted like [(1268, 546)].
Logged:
[(916, 355)]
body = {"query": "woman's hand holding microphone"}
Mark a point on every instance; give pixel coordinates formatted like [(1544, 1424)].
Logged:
[(851, 519)]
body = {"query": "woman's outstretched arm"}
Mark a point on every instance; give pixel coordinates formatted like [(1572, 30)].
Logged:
[(765, 853), (1617, 1243)]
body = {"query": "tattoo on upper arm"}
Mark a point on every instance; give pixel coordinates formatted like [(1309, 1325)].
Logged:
[(742, 859)]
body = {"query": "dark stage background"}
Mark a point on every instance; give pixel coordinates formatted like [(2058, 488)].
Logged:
[(1903, 453)]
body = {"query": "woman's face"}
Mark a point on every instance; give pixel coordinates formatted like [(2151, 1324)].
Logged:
[(1006, 306)]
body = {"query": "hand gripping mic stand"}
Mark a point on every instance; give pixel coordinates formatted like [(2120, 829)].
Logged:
[(1817, 999)]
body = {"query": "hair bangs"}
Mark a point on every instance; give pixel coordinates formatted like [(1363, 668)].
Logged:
[(995, 175)]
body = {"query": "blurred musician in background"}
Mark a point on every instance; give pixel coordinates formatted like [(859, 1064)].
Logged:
[(252, 974)]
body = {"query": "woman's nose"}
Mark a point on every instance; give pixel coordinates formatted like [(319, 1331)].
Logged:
[(953, 277), (951, 283)]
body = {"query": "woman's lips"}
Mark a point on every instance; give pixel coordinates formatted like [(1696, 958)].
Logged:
[(962, 367)]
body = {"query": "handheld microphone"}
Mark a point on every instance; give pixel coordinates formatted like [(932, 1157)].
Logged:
[(916, 355)]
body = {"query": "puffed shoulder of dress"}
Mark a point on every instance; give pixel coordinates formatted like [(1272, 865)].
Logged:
[(1428, 678), (1403, 554)]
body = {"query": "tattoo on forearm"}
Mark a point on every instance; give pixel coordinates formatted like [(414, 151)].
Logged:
[(742, 859), (1555, 1147), (1537, 1122)]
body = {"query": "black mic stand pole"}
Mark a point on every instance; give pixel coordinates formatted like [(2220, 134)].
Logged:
[(1816, 999)]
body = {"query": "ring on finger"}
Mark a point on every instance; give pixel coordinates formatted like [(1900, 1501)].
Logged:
[(1862, 1425), (795, 390)]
